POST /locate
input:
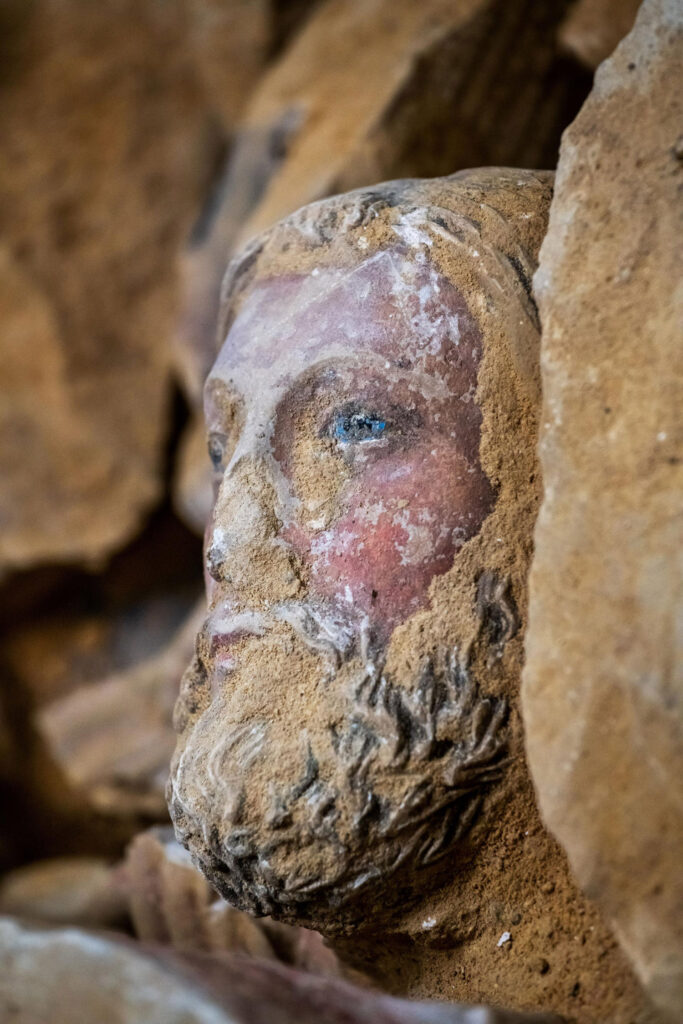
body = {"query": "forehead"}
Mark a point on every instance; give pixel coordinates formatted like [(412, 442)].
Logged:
[(392, 306)]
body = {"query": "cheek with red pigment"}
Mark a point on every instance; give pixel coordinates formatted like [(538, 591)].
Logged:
[(403, 522)]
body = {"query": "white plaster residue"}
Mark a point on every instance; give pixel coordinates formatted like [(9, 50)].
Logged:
[(218, 538), (370, 513), (430, 326), (332, 543), (320, 629), (317, 524), (409, 227), (418, 544), (425, 516), (399, 472), (458, 536)]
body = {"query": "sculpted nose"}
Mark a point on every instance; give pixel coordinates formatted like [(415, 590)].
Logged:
[(244, 549)]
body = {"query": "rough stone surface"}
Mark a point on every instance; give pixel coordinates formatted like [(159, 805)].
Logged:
[(67, 974), (157, 894), (104, 154), (603, 692), (230, 41)]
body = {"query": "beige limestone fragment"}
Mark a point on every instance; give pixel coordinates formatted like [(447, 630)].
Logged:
[(171, 902), (427, 89), (112, 740), (64, 890), (103, 156), (232, 41), (68, 974), (603, 690)]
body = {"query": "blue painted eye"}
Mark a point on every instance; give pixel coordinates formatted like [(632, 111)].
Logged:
[(358, 426)]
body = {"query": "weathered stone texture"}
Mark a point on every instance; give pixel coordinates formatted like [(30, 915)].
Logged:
[(232, 40), (603, 691)]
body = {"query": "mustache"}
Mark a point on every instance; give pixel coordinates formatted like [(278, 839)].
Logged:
[(334, 632)]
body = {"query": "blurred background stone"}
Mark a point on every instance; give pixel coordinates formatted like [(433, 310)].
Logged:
[(593, 28), (603, 692), (66, 890), (113, 740), (45, 974), (105, 152), (232, 40)]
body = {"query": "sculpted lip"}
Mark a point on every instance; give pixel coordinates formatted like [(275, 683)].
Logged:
[(220, 643), (224, 632)]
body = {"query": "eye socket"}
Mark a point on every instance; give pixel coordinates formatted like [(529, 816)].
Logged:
[(351, 426), (217, 444)]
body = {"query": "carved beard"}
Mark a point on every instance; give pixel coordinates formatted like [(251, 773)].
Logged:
[(391, 788)]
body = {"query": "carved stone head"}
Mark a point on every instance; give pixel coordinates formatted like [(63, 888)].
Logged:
[(349, 727)]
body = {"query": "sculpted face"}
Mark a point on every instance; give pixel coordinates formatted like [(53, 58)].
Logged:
[(348, 399), (345, 433)]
